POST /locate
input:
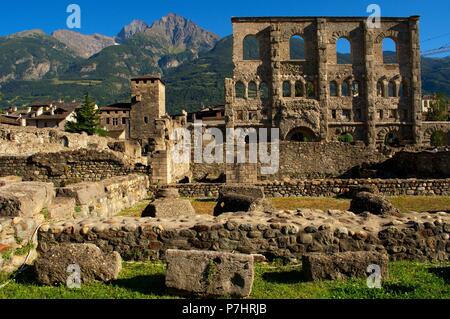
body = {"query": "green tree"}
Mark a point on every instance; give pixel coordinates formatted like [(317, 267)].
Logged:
[(87, 119), (439, 109)]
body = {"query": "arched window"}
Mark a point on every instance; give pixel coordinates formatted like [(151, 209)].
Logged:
[(297, 48), (286, 89), (391, 89), (263, 91), (403, 89), (252, 90), (355, 89), (240, 90), (345, 89), (333, 88), (310, 90), (299, 89), (389, 51), (380, 88), (343, 51), (251, 48)]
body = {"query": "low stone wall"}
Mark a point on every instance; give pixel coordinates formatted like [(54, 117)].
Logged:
[(288, 234), (108, 197), (68, 167), (328, 187)]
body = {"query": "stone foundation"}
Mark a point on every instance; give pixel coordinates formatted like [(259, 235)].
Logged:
[(289, 234)]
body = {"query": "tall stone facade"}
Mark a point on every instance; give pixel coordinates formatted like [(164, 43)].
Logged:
[(310, 95), (153, 128)]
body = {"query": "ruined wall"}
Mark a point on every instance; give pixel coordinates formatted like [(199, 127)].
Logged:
[(25, 206), (373, 98), (329, 187), (28, 141), (68, 167), (306, 160), (107, 197), (287, 234)]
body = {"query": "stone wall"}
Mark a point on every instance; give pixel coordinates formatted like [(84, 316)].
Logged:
[(306, 160), (25, 206), (68, 167), (329, 187), (288, 234), (107, 197)]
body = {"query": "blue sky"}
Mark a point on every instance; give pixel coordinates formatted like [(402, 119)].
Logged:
[(108, 17)]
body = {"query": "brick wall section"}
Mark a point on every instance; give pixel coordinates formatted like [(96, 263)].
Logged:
[(68, 167), (329, 187)]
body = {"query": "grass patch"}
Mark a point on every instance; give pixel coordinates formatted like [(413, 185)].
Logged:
[(24, 250), (136, 210), (420, 204), (46, 213), (407, 280), (204, 206)]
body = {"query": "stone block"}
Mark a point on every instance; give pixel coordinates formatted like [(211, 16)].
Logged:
[(209, 274), (169, 208), (9, 180), (25, 199), (372, 203), (52, 266), (321, 266), (62, 208), (84, 193)]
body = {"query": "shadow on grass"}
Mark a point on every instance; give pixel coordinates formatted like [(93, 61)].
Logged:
[(285, 277), (148, 285), (398, 288), (26, 276), (443, 272)]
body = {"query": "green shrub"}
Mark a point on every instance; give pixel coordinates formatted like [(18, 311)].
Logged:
[(346, 138)]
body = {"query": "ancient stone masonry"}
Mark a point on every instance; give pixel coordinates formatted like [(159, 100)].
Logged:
[(286, 234), (24, 206), (68, 167), (329, 187), (287, 74), (154, 129)]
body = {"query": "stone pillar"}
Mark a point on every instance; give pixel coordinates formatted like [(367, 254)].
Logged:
[(322, 72), (416, 82), (370, 85), (275, 61), (229, 101)]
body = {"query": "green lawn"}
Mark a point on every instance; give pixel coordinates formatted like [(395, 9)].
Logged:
[(146, 281)]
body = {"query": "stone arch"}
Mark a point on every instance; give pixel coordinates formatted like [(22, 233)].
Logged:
[(390, 136), (387, 34), (239, 90), (340, 34), (64, 141), (297, 47), (301, 134)]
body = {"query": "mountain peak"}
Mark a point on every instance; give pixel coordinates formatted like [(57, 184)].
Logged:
[(128, 31), (83, 45)]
